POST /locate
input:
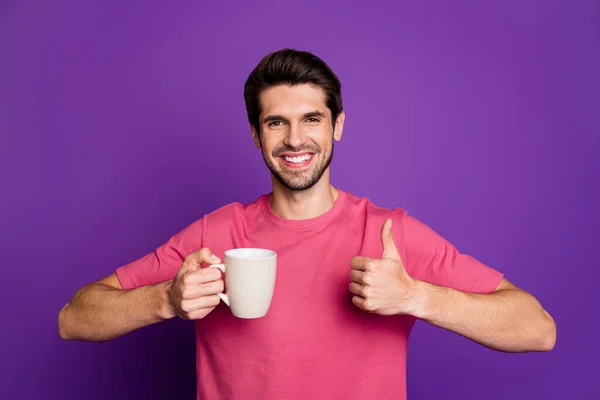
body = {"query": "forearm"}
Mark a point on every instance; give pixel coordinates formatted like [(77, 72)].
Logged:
[(509, 320), (99, 312)]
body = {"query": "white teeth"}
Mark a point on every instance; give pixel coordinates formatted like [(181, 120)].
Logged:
[(300, 159)]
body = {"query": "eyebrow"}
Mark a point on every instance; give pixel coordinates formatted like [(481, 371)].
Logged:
[(310, 114)]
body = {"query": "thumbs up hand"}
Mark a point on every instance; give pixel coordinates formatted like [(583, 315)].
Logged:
[(383, 286)]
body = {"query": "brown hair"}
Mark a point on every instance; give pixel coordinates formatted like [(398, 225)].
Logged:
[(291, 67)]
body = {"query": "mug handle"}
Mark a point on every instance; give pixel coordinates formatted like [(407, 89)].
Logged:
[(223, 296)]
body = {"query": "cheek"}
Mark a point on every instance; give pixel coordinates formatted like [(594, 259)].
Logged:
[(325, 140), (268, 146)]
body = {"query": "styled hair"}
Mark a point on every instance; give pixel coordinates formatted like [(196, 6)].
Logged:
[(291, 67)]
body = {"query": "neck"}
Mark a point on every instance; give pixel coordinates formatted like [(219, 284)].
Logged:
[(303, 204)]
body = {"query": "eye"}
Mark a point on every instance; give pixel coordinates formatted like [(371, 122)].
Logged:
[(313, 120), (275, 124)]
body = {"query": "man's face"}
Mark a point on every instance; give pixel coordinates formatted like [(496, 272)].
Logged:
[(297, 134)]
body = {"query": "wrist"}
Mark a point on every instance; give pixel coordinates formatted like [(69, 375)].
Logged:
[(164, 307), (425, 298)]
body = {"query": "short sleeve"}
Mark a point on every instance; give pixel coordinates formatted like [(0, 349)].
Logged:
[(163, 263), (431, 258)]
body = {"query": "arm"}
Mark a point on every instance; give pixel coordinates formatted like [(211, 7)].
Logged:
[(103, 311), (508, 319)]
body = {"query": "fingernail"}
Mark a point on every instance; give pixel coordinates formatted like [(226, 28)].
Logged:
[(215, 259)]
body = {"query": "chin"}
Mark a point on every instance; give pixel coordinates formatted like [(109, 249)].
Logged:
[(295, 183), (298, 181)]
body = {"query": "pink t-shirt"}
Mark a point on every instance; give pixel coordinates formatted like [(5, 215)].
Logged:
[(313, 343)]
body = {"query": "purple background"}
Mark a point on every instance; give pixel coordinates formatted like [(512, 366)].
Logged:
[(122, 122)]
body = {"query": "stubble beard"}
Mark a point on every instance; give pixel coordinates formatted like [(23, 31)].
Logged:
[(296, 180)]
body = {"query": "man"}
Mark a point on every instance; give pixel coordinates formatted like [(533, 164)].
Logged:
[(352, 277)]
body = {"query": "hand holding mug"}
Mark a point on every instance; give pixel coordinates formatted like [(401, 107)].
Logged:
[(195, 290)]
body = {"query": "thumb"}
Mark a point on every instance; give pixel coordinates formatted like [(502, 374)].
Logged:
[(389, 247), (194, 261)]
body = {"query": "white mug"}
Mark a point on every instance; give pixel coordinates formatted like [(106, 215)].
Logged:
[(249, 281)]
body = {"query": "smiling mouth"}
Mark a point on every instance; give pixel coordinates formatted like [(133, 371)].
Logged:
[(297, 160)]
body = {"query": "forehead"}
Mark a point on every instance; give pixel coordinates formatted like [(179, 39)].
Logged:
[(292, 100)]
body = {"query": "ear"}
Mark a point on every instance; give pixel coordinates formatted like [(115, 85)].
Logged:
[(339, 126), (255, 137)]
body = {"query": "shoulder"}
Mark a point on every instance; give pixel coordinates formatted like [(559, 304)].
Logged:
[(372, 210), (233, 216), (224, 215), (405, 227)]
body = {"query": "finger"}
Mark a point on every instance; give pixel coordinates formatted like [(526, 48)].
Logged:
[(360, 277), (356, 288), (203, 275), (365, 305), (362, 263), (201, 290), (387, 240), (199, 314), (194, 260), (190, 306)]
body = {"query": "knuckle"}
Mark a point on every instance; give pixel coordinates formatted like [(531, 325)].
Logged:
[(183, 294), (186, 280), (368, 305), (187, 294), (207, 275), (215, 273), (208, 289), (214, 300), (189, 258), (366, 291), (185, 306), (205, 253), (367, 278)]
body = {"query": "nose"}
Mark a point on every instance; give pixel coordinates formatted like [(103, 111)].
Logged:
[(295, 136)]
